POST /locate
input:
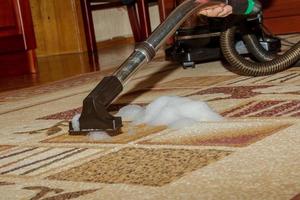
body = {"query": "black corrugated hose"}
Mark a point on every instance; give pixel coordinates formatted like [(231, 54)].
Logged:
[(254, 46), (269, 63)]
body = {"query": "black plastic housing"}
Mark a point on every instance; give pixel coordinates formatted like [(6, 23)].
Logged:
[(94, 116)]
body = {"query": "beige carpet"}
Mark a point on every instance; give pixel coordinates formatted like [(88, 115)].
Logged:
[(253, 154)]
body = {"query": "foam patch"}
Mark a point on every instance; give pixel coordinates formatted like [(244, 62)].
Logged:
[(75, 122), (131, 112), (98, 136), (172, 111)]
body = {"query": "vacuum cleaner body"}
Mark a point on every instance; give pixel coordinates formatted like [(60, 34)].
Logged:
[(201, 43)]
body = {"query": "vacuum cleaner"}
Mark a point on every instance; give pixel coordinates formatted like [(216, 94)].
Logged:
[(95, 117), (198, 40)]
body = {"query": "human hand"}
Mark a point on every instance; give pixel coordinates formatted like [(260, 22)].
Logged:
[(221, 10)]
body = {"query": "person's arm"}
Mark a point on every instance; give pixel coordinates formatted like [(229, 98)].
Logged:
[(221, 10)]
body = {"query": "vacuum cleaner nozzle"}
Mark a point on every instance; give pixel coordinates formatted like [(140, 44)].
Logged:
[(94, 116)]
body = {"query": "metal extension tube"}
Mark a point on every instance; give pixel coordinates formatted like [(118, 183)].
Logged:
[(145, 51)]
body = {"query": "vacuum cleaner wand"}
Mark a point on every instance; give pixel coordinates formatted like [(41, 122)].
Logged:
[(94, 116)]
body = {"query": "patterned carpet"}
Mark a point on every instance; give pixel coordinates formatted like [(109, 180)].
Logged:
[(253, 154)]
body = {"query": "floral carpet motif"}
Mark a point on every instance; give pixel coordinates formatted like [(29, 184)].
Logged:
[(254, 153)]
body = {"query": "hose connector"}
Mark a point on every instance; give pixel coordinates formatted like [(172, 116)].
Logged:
[(147, 49), (245, 7), (254, 7)]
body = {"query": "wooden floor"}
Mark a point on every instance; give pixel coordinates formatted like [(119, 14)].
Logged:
[(59, 67)]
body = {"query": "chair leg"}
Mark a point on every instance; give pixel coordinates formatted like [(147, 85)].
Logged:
[(134, 23), (165, 8), (89, 32), (143, 10)]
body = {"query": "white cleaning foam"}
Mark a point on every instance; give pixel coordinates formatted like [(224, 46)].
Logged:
[(173, 111), (75, 122), (131, 112), (198, 111), (98, 136), (162, 111)]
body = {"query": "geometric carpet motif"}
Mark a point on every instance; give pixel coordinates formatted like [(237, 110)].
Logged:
[(285, 77), (252, 154), (150, 167), (297, 197), (5, 147), (127, 134), (31, 161), (270, 108), (231, 134)]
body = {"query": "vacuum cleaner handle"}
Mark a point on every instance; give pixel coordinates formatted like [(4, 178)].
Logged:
[(244, 7)]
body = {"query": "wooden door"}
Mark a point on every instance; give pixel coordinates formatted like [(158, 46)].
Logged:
[(282, 16), (58, 27), (17, 40)]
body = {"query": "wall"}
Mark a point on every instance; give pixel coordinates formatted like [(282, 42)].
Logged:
[(58, 27), (282, 16), (113, 23)]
